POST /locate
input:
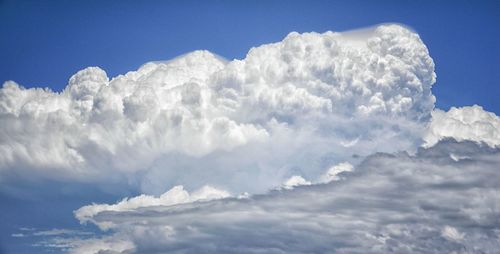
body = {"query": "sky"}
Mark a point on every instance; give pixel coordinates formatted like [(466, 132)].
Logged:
[(45, 42), (249, 126)]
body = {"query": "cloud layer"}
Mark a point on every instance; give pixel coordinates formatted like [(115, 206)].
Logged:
[(390, 203), (176, 195), (298, 106)]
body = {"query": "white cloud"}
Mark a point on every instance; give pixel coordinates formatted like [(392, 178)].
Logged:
[(283, 114), (452, 233), (106, 245), (332, 174), (57, 232), (466, 123), (295, 181), (30, 232), (176, 195), (112, 245), (309, 101), (391, 203)]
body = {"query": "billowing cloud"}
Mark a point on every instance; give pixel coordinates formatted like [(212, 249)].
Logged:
[(341, 127), (295, 107), (466, 123), (390, 203)]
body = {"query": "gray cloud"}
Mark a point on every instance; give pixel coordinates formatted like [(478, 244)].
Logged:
[(390, 203)]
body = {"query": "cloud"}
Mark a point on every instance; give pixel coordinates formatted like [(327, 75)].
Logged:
[(104, 245), (176, 195), (333, 173), (295, 181), (294, 107), (59, 239), (30, 232), (335, 121), (390, 203), (466, 123), (57, 232)]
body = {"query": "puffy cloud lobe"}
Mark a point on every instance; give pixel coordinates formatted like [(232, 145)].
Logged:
[(373, 87), (97, 124), (295, 181), (390, 73), (333, 173), (391, 203), (466, 123)]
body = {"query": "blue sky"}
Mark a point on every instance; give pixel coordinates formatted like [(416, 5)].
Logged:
[(45, 42)]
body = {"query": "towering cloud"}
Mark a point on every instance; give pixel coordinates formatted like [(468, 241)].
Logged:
[(340, 126), (298, 106)]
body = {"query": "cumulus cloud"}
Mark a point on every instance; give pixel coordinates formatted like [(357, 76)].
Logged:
[(335, 121), (391, 203), (303, 104), (466, 123)]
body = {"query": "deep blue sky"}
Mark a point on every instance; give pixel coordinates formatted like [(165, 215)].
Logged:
[(42, 43)]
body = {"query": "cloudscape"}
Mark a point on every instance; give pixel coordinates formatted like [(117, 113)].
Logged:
[(322, 142)]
